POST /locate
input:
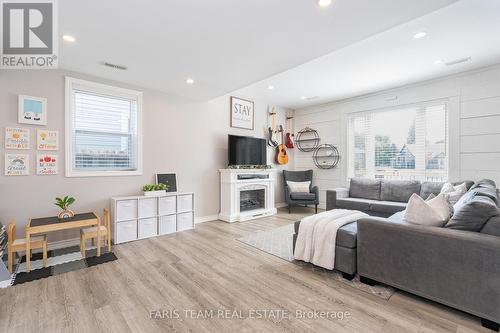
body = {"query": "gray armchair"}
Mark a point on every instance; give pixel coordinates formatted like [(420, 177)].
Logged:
[(311, 198)]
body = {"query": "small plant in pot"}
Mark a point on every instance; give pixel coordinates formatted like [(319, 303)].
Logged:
[(154, 189), (64, 203)]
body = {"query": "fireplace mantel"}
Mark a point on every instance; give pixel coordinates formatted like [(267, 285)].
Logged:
[(235, 181)]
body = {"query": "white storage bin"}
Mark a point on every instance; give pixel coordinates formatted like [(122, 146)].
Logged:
[(147, 207), (168, 205), (184, 221), (126, 210), (168, 224), (126, 231), (185, 203), (147, 228)]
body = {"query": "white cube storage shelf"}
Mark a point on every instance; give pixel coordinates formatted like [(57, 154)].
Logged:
[(143, 217)]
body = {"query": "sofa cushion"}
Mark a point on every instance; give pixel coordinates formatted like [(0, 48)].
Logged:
[(485, 183), (302, 187), (492, 227), (454, 192), (433, 213), (397, 217), (365, 188), (303, 196), (399, 190), (472, 212), (346, 236), (486, 192), (429, 188), (468, 183), (354, 203), (389, 207)]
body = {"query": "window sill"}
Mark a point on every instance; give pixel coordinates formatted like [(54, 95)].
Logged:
[(74, 174)]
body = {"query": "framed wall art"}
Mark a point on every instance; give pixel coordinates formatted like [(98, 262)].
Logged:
[(16, 164), (32, 110), (47, 140), (47, 164), (242, 113), (17, 138), (169, 179)]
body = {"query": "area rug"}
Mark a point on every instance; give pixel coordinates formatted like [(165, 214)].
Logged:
[(279, 242), (59, 261)]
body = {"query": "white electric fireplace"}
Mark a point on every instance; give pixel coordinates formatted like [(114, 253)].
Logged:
[(246, 194)]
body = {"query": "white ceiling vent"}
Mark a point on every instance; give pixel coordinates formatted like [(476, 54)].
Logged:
[(115, 66), (457, 61)]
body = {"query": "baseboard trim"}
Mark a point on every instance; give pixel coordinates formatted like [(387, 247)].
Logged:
[(208, 218), (76, 241), (280, 205)]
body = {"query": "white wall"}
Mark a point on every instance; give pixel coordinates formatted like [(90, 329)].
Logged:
[(182, 136), (474, 124)]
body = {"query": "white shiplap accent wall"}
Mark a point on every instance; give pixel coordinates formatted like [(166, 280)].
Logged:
[(480, 128), (474, 123)]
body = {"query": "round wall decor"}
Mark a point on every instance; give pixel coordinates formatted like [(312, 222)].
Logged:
[(326, 156), (307, 139)]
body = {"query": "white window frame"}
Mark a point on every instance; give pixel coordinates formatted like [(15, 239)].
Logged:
[(103, 89), (452, 119)]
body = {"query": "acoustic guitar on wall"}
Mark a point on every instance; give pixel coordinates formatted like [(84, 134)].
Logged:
[(282, 154)]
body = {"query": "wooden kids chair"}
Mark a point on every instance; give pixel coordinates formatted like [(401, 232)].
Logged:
[(91, 233), (18, 245)]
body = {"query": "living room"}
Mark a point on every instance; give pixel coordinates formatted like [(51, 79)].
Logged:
[(322, 165)]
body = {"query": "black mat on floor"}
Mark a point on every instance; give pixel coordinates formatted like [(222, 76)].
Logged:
[(91, 260)]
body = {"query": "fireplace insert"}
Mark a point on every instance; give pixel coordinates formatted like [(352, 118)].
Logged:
[(252, 199)]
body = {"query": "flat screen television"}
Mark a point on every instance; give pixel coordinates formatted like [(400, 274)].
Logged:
[(244, 150)]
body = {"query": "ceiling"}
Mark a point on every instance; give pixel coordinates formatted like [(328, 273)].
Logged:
[(468, 28), (225, 45)]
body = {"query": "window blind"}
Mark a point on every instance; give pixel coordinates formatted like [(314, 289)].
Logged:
[(104, 132), (406, 144)]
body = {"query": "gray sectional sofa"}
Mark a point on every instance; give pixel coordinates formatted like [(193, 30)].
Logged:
[(457, 265), (381, 198)]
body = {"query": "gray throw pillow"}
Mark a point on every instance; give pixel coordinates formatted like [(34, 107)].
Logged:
[(365, 188), (472, 212), (488, 183), (486, 192)]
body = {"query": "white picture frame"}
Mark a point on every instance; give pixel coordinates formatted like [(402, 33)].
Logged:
[(17, 164), (47, 140), (32, 110), (47, 164), (17, 138), (242, 113)]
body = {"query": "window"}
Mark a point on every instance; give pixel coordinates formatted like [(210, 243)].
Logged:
[(407, 144), (103, 130)]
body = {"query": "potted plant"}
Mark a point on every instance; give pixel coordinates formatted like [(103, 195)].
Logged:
[(154, 189), (64, 203)]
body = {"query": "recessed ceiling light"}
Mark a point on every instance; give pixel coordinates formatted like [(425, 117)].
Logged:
[(69, 38), (270, 87), (420, 34), (189, 81), (324, 3), (303, 97)]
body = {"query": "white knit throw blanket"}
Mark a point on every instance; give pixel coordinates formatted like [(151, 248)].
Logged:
[(318, 234)]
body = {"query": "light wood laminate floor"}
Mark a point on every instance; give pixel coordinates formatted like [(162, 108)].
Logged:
[(208, 269)]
